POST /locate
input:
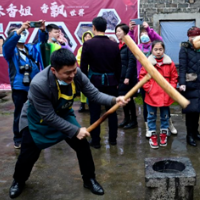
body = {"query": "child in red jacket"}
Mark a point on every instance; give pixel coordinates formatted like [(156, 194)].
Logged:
[(155, 96)]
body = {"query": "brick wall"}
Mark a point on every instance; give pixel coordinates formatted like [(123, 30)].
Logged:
[(150, 7)]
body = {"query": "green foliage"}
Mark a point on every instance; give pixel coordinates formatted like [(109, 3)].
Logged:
[(138, 100), (77, 99)]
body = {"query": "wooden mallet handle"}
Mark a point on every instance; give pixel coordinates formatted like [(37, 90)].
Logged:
[(174, 94), (116, 106)]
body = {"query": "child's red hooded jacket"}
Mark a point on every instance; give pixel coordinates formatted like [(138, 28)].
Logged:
[(155, 95)]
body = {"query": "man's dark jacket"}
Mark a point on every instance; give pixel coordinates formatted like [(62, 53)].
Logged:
[(102, 56)]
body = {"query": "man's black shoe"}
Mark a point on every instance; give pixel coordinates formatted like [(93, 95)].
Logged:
[(16, 189), (82, 108), (94, 186), (191, 141), (113, 142), (132, 124), (96, 146), (17, 145)]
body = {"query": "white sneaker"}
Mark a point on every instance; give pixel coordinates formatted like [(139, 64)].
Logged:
[(148, 133), (171, 127)]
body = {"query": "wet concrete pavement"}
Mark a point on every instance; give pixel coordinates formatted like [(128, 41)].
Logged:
[(119, 169)]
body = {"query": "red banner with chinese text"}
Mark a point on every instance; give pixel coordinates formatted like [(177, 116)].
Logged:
[(73, 17)]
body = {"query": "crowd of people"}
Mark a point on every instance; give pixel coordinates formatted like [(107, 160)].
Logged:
[(45, 78)]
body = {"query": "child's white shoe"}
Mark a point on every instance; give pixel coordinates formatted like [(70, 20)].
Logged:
[(148, 133), (171, 127)]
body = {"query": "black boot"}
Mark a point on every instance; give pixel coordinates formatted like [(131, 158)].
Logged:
[(191, 141), (95, 145), (191, 135), (113, 142), (126, 117), (82, 108), (197, 136), (124, 123), (132, 124)]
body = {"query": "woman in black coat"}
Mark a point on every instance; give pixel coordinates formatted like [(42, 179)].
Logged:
[(128, 77), (189, 81)]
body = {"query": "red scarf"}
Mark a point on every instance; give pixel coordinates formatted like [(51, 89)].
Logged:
[(159, 61), (121, 45)]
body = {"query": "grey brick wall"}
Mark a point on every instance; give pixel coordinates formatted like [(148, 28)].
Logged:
[(150, 7)]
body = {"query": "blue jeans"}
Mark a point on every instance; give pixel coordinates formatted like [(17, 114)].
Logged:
[(145, 105), (151, 117)]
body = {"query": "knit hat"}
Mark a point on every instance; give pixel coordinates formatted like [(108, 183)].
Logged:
[(194, 31)]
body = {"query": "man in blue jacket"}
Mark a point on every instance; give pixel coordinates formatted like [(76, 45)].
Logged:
[(24, 63)]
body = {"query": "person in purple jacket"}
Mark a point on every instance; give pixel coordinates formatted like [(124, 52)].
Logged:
[(131, 29), (147, 36)]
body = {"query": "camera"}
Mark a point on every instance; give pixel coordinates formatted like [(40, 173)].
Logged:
[(26, 70)]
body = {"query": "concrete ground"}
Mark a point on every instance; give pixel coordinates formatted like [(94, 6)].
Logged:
[(119, 169)]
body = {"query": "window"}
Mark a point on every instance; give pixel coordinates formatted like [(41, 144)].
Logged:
[(173, 33)]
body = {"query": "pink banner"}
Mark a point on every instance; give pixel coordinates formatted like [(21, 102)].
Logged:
[(73, 17)]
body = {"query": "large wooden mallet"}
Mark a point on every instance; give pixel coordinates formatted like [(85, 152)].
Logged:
[(153, 72)]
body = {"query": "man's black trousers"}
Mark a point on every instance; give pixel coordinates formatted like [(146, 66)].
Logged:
[(95, 111), (30, 153)]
